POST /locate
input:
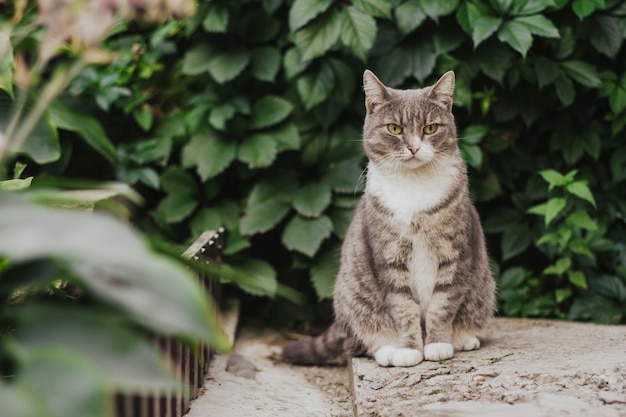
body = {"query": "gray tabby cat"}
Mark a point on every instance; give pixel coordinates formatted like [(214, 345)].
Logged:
[(414, 281)]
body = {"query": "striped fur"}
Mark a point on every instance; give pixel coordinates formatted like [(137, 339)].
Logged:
[(414, 281)]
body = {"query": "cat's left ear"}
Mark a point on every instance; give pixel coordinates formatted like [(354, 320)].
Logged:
[(442, 91)]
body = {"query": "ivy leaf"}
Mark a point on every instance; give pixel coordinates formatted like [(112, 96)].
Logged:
[(581, 189), (227, 66), (472, 155), (553, 207), (538, 25), (6, 63), (265, 63), (254, 276), (88, 128), (409, 16), (341, 220), (565, 90), (324, 272), (484, 28), (258, 151), (303, 11), (317, 38), (584, 8), (434, 9), (583, 73), (578, 279), (515, 239), (315, 86), (553, 178), (216, 20), (196, 59), (559, 267), (517, 35), (547, 71), (306, 235), (286, 137), (312, 199), (269, 111), (181, 199), (374, 8), (343, 176), (220, 115), (209, 153), (358, 31), (605, 35), (263, 216)]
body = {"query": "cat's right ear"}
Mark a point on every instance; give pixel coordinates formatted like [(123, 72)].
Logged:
[(375, 91)]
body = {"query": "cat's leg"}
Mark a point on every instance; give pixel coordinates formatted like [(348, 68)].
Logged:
[(405, 313), (441, 312)]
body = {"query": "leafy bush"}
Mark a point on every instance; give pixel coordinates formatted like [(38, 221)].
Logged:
[(248, 115)]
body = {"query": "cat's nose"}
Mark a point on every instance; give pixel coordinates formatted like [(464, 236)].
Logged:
[(413, 149)]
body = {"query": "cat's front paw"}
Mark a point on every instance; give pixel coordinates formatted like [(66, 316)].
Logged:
[(398, 356), (438, 351), (465, 341)]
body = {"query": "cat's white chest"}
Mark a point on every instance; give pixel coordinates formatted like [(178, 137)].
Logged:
[(406, 196)]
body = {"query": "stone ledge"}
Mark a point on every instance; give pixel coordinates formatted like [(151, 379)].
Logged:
[(525, 368)]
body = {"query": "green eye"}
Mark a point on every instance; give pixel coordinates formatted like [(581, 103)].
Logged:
[(394, 129), (430, 129)]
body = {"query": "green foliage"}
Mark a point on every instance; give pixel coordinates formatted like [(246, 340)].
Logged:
[(255, 107)]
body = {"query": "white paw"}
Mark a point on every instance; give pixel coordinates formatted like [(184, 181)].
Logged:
[(398, 356), (466, 342), (438, 351)]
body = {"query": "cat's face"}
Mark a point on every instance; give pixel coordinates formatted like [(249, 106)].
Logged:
[(408, 129)]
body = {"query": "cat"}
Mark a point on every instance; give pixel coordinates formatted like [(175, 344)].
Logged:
[(414, 281)]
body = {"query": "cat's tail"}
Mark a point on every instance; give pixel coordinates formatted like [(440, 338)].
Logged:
[(317, 350)]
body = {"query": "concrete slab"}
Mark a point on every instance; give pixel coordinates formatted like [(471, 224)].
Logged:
[(526, 368), (249, 382)]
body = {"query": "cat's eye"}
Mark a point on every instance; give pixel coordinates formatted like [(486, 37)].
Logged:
[(430, 129), (394, 129)]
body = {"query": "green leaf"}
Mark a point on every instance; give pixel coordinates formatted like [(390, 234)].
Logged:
[(315, 86), (581, 189), (538, 25), (16, 184), (217, 18), (42, 145), (581, 219), (197, 59), (565, 90), (358, 31), (374, 8), (553, 178), (205, 219), (553, 207), (409, 16), (143, 117), (255, 276), (318, 37), (306, 235), (209, 153), (103, 341), (474, 134), (578, 279), (515, 239), (258, 151), (220, 115), (512, 278), (501, 219), (561, 266), (303, 11), (610, 287), (584, 8), (261, 217), (286, 137), (562, 294), (517, 35), (485, 27), (226, 66), (434, 9), (177, 207), (265, 63), (583, 73), (117, 267), (472, 155), (344, 176), (324, 271), (293, 63), (269, 111), (597, 308), (341, 220), (312, 199), (54, 374), (6, 62), (547, 71), (605, 35), (423, 60)]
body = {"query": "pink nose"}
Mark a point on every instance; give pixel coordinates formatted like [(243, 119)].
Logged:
[(413, 149)]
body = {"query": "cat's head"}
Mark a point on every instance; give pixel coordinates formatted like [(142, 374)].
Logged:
[(409, 129)]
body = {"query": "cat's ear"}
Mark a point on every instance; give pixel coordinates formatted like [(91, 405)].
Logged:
[(442, 91), (375, 90)]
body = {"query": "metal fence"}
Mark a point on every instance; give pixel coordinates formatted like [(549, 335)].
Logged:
[(188, 366)]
